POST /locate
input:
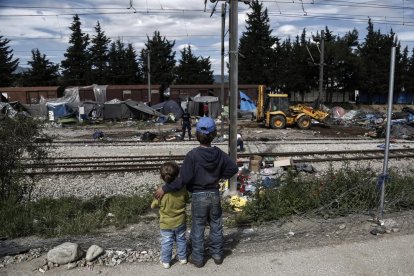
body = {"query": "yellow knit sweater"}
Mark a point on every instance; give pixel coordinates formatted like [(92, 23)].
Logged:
[(172, 209)]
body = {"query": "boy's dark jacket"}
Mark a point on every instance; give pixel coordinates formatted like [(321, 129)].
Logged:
[(202, 169)]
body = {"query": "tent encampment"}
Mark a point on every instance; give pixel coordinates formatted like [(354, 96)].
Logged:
[(119, 110), (195, 106), (168, 107)]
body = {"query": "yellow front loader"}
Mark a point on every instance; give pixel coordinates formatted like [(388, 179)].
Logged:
[(276, 111)]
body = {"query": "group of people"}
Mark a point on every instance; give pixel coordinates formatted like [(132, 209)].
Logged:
[(199, 175)]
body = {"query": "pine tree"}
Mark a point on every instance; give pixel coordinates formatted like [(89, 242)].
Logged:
[(42, 71), (76, 66), (162, 59), (192, 69), (255, 48), (99, 56), (7, 64)]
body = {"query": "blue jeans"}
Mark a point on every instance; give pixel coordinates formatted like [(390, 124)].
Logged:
[(206, 207), (168, 236)]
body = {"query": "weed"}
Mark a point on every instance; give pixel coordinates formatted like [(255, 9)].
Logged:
[(69, 216)]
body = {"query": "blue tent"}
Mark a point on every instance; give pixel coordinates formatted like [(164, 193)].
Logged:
[(246, 104)]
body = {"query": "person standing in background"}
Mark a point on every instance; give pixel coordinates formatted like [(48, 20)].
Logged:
[(186, 124), (205, 109)]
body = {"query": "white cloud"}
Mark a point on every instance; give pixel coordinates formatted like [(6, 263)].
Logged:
[(185, 22)]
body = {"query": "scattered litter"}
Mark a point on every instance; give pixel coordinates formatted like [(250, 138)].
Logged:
[(237, 202), (248, 231), (98, 135)]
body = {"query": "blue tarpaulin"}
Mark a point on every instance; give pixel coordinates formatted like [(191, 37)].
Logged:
[(59, 109), (246, 104)]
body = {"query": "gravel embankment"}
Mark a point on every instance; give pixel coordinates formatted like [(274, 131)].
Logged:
[(128, 183)]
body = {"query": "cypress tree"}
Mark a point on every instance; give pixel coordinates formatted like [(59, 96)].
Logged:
[(99, 57), (256, 48), (76, 66)]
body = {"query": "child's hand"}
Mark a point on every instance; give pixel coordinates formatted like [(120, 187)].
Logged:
[(159, 193)]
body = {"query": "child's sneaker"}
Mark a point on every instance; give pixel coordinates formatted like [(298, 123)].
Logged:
[(183, 262), (165, 265)]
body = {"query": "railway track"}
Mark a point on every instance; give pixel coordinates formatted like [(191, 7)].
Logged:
[(114, 164), (132, 142)]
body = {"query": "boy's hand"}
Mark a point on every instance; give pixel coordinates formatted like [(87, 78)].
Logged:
[(159, 193)]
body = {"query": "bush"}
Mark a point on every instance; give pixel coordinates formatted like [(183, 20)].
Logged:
[(335, 193), (19, 138)]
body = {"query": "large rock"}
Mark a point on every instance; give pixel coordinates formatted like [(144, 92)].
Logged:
[(93, 252), (65, 253)]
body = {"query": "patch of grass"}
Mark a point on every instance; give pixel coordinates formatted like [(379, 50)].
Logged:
[(335, 193), (127, 209), (70, 215)]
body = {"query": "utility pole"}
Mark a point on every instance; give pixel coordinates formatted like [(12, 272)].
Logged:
[(223, 26), (233, 55), (149, 76), (321, 92), (383, 178), (233, 79)]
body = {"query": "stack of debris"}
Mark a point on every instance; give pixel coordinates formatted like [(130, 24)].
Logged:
[(258, 175), (402, 123)]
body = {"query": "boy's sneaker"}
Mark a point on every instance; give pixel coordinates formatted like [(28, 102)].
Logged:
[(165, 265), (191, 261), (183, 262), (218, 261)]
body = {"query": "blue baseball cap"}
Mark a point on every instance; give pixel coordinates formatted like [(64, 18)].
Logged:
[(206, 125)]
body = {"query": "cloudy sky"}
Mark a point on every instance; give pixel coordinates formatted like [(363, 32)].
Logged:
[(44, 24)]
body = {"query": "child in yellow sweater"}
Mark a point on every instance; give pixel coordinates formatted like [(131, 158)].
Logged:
[(172, 217)]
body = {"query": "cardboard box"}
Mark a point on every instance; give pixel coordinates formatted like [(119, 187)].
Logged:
[(286, 162), (256, 157), (255, 163)]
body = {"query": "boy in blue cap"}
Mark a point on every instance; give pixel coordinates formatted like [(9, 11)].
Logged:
[(200, 172)]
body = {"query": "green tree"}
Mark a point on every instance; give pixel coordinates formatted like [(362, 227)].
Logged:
[(256, 48), (374, 54), (162, 58), (123, 65), (42, 72), (99, 56), (340, 70), (410, 82), (7, 64), (192, 69), (300, 75), (76, 66), (402, 71), (132, 70)]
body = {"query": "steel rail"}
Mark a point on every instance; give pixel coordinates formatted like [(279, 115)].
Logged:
[(117, 167)]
